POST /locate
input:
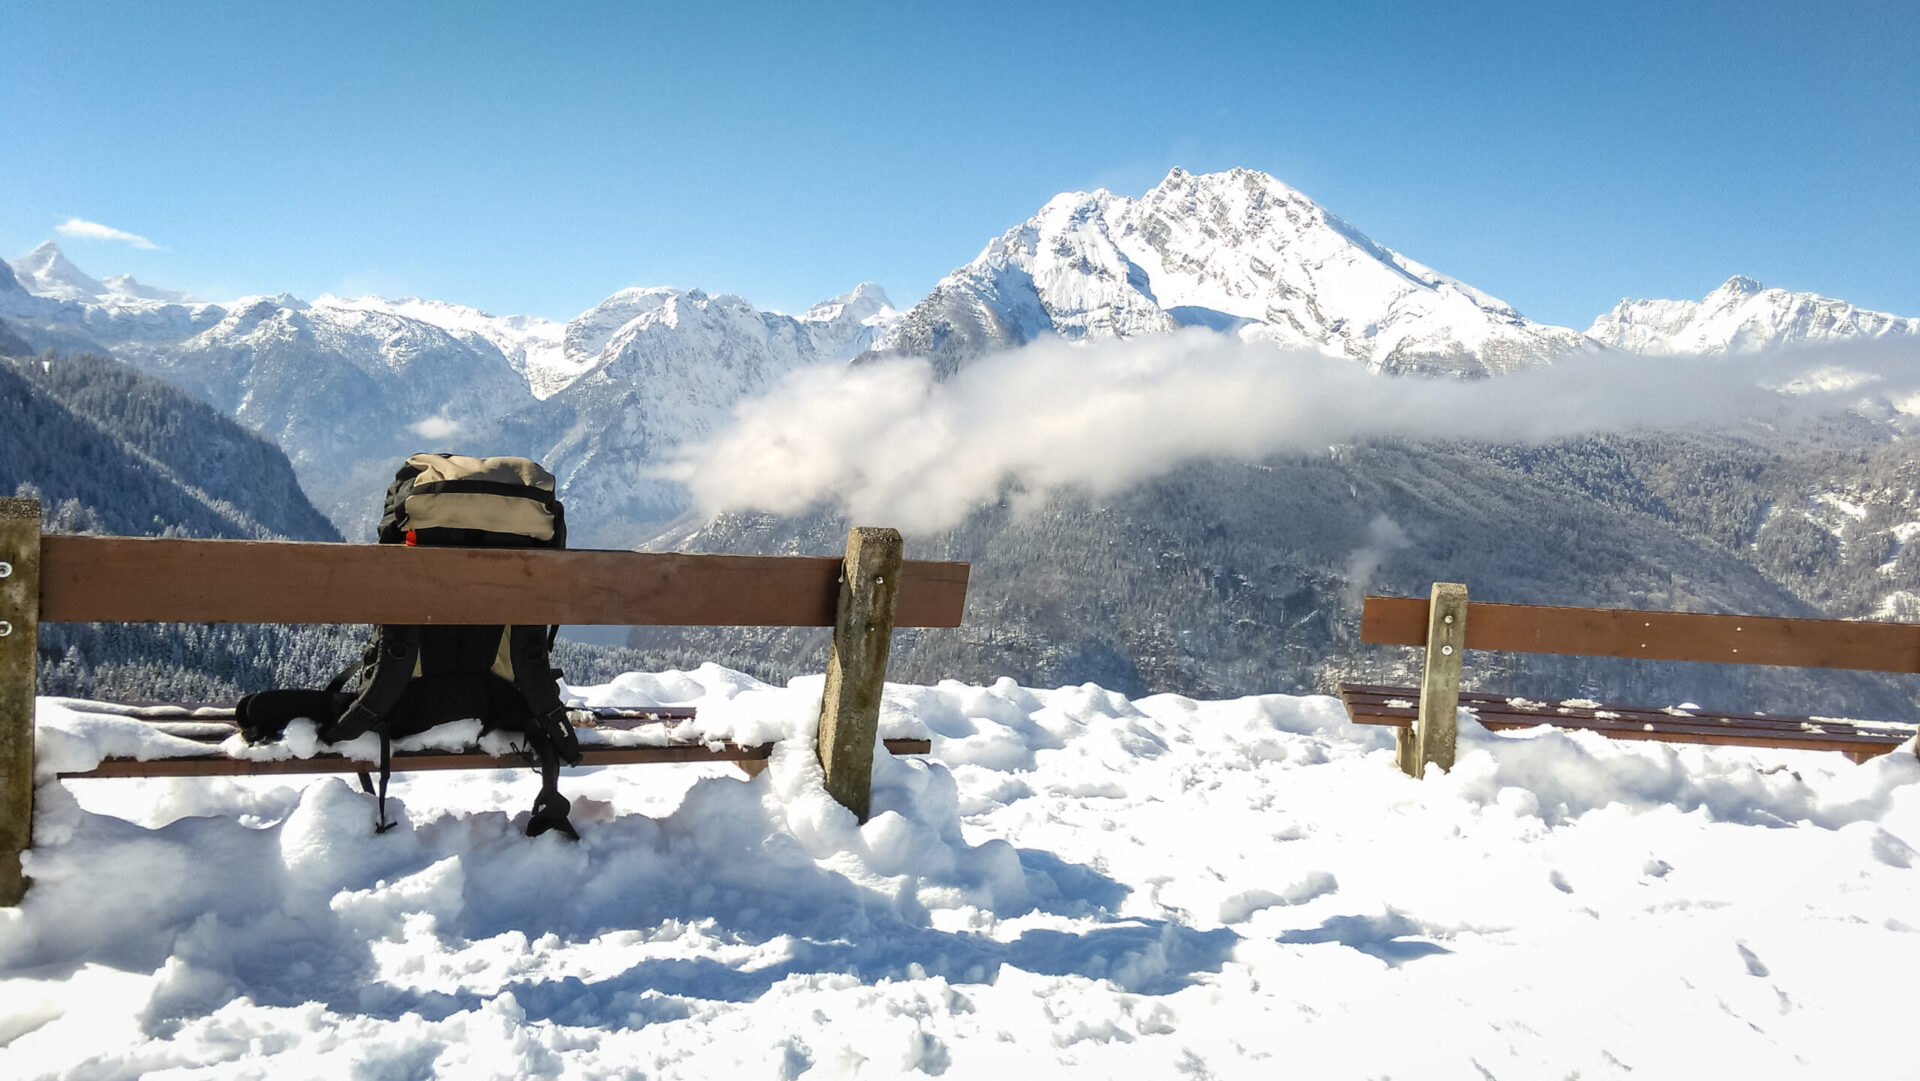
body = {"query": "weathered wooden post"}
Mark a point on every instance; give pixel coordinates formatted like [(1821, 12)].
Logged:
[(857, 665), (19, 644), (1431, 738)]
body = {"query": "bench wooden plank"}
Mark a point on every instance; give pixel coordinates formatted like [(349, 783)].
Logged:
[(162, 713), (1371, 697), (165, 580), (1370, 704), (1666, 636), (220, 765)]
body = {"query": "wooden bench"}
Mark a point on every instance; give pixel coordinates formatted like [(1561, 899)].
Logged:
[(1446, 626), (80, 579)]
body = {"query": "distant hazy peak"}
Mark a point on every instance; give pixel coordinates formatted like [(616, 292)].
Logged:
[(859, 304), (1740, 316), (126, 286), (47, 272)]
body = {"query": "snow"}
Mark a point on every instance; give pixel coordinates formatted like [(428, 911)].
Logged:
[(1072, 882)]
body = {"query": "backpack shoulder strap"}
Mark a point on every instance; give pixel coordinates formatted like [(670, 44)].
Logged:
[(391, 659), (538, 684), (339, 682)]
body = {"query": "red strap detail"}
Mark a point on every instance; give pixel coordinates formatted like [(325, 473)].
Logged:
[(413, 539)]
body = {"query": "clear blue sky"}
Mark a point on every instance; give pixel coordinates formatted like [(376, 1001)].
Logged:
[(534, 158)]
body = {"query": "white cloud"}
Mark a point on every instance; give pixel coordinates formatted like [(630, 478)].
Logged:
[(83, 229), (440, 427), (887, 442)]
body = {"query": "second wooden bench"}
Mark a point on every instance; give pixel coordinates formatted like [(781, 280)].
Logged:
[(1446, 625)]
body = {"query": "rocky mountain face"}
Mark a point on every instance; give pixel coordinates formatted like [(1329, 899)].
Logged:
[(1742, 316), (649, 369), (1238, 252)]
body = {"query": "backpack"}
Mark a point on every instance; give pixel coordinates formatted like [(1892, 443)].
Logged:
[(413, 677)]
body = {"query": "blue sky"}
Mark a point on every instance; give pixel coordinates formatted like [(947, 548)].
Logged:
[(534, 158)]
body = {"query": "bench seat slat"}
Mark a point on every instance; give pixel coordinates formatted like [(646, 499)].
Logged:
[(220, 765), (1548, 710), (1368, 704), (169, 711)]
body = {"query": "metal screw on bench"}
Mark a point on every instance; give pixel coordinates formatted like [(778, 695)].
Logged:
[(6, 570), (5, 628)]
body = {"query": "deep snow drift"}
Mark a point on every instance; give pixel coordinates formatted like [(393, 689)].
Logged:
[(1071, 882)]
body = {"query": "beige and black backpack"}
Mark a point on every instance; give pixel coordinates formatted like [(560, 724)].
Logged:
[(415, 676)]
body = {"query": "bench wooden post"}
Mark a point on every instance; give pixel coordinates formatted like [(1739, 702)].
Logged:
[(19, 646), (1431, 738), (857, 665)]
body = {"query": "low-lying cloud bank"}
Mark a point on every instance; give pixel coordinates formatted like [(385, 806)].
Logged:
[(887, 442)]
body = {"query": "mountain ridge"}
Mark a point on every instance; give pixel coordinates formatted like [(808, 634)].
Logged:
[(1741, 316), (348, 385), (1255, 560)]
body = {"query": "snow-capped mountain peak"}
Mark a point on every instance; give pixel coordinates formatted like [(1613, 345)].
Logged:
[(46, 271), (127, 287), (864, 302), (532, 345), (1741, 316), (1236, 251)]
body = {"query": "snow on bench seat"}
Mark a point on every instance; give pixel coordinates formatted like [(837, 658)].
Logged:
[(1399, 707)]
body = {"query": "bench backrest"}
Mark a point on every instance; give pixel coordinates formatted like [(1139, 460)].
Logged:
[(1666, 636), (141, 580)]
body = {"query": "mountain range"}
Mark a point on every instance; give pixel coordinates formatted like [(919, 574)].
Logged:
[(348, 386), (1220, 578), (1742, 316)]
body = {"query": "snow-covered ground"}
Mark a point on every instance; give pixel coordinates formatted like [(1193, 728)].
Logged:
[(1071, 883)]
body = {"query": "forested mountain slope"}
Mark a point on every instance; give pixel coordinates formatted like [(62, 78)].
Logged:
[(171, 447), (109, 450), (1228, 578)]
